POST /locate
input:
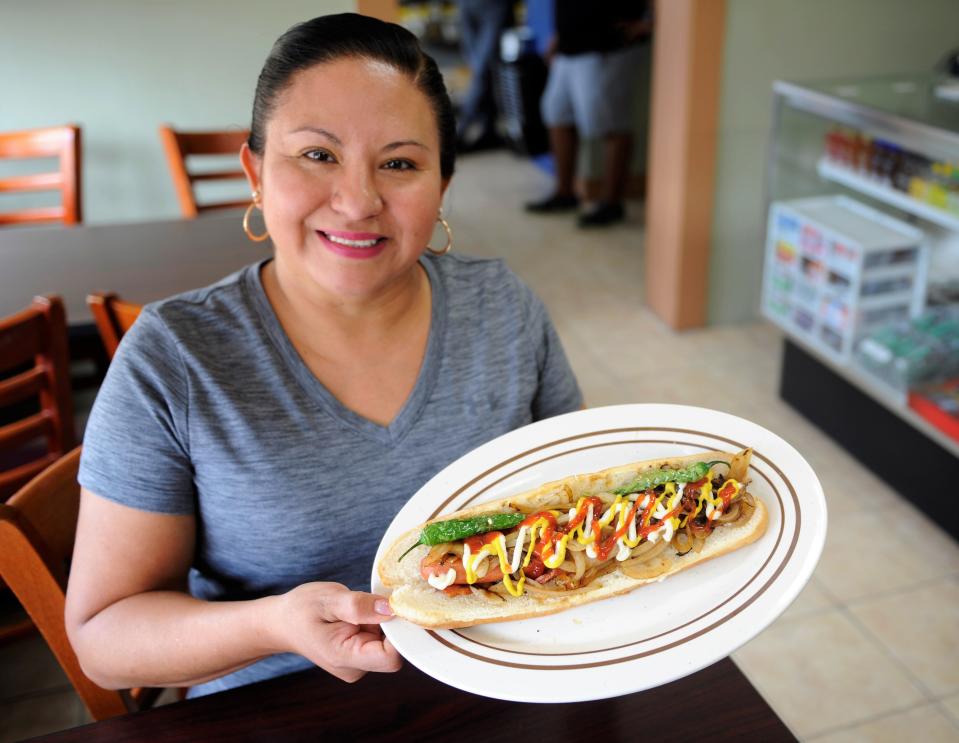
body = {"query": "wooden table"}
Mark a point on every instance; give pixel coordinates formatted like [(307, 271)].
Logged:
[(717, 703), (141, 261)]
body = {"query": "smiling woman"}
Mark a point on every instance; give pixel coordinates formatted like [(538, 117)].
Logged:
[(350, 207), (274, 423)]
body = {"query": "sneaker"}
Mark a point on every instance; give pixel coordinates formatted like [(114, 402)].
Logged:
[(553, 204), (604, 214)]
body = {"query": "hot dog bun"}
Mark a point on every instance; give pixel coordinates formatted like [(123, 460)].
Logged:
[(414, 599)]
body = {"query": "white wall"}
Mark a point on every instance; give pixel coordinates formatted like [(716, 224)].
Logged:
[(120, 68), (796, 40)]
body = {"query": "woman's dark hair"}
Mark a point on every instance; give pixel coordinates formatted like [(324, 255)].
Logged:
[(345, 35)]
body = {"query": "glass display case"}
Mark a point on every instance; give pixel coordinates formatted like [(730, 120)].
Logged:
[(861, 266)]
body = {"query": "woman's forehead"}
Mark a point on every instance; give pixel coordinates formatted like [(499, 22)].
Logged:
[(358, 101), (353, 85)]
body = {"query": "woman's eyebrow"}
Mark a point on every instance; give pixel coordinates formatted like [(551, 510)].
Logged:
[(317, 130), (336, 140), (403, 143)]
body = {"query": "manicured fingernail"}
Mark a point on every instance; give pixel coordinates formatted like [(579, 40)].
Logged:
[(383, 607)]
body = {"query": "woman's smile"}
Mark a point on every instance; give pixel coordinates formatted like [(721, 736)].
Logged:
[(358, 245)]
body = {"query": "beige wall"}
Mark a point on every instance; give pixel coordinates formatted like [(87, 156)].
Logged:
[(796, 40), (119, 68)]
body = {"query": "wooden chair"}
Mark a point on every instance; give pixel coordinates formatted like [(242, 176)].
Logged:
[(34, 366), (113, 317), (37, 530), (180, 145), (62, 142)]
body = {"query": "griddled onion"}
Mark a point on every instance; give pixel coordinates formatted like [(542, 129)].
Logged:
[(647, 569), (642, 550), (439, 551), (747, 506), (536, 588), (698, 532), (730, 515), (483, 568), (597, 570), (739, 466), (648, 554), (579, 559)]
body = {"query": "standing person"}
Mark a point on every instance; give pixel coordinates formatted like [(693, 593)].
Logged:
[(253, 440), (594, 61), (481, 24)]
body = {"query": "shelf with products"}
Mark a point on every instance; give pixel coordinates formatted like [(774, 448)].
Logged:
[(861, 267), (863, 184), (914, 408)]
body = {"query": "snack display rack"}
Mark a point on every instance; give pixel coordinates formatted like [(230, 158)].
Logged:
[(861, 269), (836, 268)]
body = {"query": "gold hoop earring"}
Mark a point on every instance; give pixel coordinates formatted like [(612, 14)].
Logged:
[(246, 221), (449, 237)]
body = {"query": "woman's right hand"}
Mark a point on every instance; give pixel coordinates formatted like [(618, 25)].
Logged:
[(336, 628), (132, 622)]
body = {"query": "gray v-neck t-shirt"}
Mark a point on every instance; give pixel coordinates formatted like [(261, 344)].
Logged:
[(208, 410)]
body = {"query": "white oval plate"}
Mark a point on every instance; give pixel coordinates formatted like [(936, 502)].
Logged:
[(656, 634)]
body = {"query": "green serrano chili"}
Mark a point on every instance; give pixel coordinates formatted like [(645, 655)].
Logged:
[(457, 529), (651, 479)]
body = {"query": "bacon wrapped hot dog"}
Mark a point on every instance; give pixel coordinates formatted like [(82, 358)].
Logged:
[(573, 541)]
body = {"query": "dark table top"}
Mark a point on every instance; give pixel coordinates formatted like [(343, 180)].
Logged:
[(140, 261), (717, 703)]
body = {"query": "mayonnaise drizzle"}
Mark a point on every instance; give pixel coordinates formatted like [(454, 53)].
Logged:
[(439, 582), (518, 549)]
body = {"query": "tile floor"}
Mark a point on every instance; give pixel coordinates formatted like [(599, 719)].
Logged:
[(868, 652)]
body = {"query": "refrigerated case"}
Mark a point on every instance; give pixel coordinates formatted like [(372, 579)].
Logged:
[(861, 272)]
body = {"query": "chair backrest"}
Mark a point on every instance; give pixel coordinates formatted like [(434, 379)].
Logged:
[(34, 368), (61, 142), (113, 317), (37, 529), (180, 145)]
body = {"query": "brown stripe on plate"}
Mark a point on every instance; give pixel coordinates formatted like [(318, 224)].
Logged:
[(681, 641)]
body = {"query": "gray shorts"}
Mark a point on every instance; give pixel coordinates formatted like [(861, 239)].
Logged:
[(594, 92)]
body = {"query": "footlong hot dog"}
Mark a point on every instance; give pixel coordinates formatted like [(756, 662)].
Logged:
[(573, 541)]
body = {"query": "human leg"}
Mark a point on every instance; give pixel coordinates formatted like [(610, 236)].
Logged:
[(557, 111), (606, 107), (617, 152), (617, 148), (564, 144), (481, 23)]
